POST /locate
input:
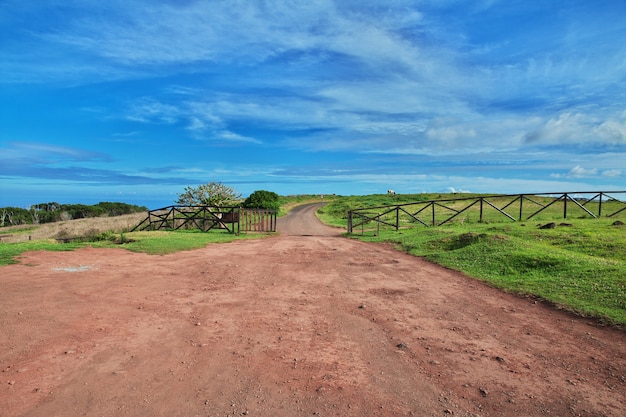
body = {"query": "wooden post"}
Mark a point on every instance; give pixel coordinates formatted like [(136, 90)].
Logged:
[(480, 220), (433, 206), (238, 221), (397, 218), (350, 222)]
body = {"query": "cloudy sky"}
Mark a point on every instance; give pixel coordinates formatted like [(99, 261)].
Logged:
[(133, 100)]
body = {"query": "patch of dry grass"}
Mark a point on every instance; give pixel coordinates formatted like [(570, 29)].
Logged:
[(72, 228)]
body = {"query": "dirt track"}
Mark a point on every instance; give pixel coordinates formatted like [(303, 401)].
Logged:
[(302, 324)]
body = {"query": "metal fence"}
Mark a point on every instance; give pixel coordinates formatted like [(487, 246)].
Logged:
[(512, 207), (232, 219)]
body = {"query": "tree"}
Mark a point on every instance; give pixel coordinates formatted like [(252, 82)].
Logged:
[(118, 209), (263, 199), (211, 194), (53, 212), (15, 216), (4, 214), (45, 212)]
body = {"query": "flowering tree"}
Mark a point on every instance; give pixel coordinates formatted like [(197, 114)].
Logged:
[(211, 194)]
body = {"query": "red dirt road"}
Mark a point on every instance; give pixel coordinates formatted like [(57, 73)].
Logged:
[(290, 325)]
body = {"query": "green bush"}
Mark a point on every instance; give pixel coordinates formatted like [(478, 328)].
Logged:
[(262, 199)]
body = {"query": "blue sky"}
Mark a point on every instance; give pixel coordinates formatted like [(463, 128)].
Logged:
[(134, 100)]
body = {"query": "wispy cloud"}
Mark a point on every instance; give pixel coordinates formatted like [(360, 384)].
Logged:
[(54, 163), (613, 173), (15, 153), (324, 90), (149, 110), (581, 172), (579, 128)]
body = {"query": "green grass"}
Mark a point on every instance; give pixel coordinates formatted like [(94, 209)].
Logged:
[(335, 213), (9, 252), (164, 242), (154, 243)]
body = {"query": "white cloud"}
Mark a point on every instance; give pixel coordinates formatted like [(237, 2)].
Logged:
[(195, 124), (580, 128), (148, 110), (613, 129), (203, 120), (161, 33), (47, 153), (612, 173), (234, 137), (578, 172)]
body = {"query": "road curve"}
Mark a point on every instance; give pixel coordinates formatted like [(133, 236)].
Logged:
[(302, 221)]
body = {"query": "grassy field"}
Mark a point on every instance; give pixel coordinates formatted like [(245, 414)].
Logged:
[(579, 265)]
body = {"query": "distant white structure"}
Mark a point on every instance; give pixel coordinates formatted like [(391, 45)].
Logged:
[(391, 192)]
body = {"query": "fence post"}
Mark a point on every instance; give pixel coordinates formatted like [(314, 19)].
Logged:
[(433, 207), (565, 206), (397, 218), (349, 221), (238, 221), (480, 220), (600, 206)]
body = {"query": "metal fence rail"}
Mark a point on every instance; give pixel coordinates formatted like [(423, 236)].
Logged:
[(514, 207)]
